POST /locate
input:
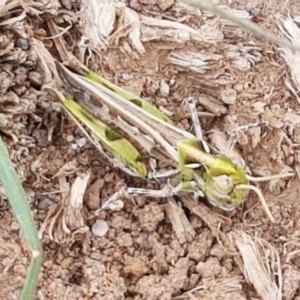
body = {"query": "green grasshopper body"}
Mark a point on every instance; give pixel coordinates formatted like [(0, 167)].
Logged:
[(142, 141)]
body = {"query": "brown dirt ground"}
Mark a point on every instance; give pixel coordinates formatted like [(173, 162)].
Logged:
[(140, 257)]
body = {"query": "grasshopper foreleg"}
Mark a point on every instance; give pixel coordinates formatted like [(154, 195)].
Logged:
[(167, 191), (196, 122), (195, 119)]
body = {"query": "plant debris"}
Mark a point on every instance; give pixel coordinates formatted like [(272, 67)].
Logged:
[(165, 51)]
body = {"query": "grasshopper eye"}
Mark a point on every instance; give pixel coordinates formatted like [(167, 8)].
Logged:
[(223, 184)]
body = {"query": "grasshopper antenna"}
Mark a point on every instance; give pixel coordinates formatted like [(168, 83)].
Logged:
[(258, 191), (260, 196), (269, 177)]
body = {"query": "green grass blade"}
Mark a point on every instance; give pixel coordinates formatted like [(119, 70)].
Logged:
[(32, 278), (18, 200)]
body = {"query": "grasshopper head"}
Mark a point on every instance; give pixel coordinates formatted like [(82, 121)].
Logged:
[(221, 180), (218, 177)]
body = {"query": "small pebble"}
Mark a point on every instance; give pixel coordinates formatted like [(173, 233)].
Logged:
[(116, 205), (100, 228), (81, 142), (164, 88), (172, 81), (15, 226), (70, 138), (125, 76), (45, 203), (22, 43)]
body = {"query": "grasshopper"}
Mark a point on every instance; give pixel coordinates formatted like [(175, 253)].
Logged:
[(142, 141)]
